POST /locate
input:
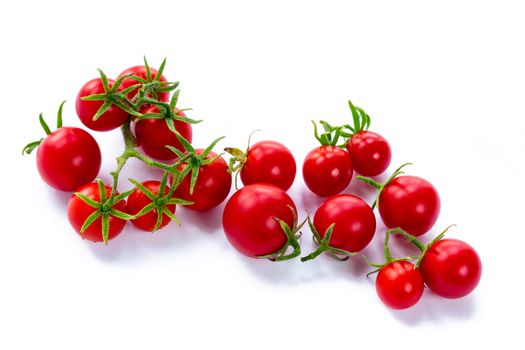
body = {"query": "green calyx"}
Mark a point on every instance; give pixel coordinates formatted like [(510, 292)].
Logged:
[(323, 244), (361, 120), (32, 145), (192, 160), (112, 96), (238, 159), (380, 186), (159, 201), (292, 240), (151, 86), (104, 209)]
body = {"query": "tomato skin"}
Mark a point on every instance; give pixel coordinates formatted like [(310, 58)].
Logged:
[(399, 285), (249, 219), (327, 170), (86, 110), (68, 158), (370, 153), (137, 200), (269, 162), (212, 187), (140, 71), (411, 203), (451, 268), (153, 135), (78, 211), (355, 223)]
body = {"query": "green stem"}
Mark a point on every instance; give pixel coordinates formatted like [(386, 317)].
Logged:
[(412, 239), (320, 250)]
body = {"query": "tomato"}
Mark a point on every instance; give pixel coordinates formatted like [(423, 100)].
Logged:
[(354, 220), (249, 219), (68, 158), (370, 153), (269, 162), (327, 170), (153, 135), (137, 200), (451, 268), (141, 72), (78, 211), (212, 187), (399, 285), (86, 110), (411, 203)]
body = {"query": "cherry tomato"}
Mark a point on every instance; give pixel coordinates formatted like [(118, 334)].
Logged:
[(327, 170), (78, 211), (68, 158), (249, 219), (269, 162), (141, 72), (212, 186), (451, 268), (153, 135), (411, 203), (137, 200), (86, 110), (399, 285), (354, 220), (370, 153)]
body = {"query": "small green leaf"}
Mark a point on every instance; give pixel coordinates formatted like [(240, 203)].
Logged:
[(175, 150), (159, 220), (94, 97), (59, 115), (104, 79), (121, 215), (172, 216), (161, 69), (211, 146), (194, 175), (31, 146), (146, 210), (148, 70), (143, 189), (174, 99), (102, 190), (88, 200), (105, 228), (122, 196), (44, 124), (91, 218), (105, 106), (179, 201)]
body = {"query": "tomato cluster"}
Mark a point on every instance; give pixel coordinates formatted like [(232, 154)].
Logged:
[(260, 220)]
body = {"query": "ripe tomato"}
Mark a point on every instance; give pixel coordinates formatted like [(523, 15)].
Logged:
[(86, 110), (249, 219), (354, 220), (399, 285), (370, 153), (451, 268), (141, 72), (411, 203), (68, 158), (269, 162), (327, 170), (212, 187), (137, 200), (78, 211), (153, 135)]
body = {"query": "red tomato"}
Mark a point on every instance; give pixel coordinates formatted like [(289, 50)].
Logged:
[(212, 186), (249, 219), (354, 220), (370, 153), (137, 200), (68, 158), (86, 110), (153, 135), (78, 211), (140, 71), (269, 162), (399, 285), (327, 170), (451, 268), (411, 203)]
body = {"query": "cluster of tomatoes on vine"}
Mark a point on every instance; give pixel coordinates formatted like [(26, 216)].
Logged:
[(260, 220)]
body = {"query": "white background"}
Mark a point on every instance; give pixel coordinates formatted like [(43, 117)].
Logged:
[(442, 81)]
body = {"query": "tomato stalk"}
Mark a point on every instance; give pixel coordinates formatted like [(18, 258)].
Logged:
[(238, 159), (32, 145), (380, 186)]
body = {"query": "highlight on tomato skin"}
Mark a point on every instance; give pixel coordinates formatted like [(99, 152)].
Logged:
[(370, 153), (249, 219)]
